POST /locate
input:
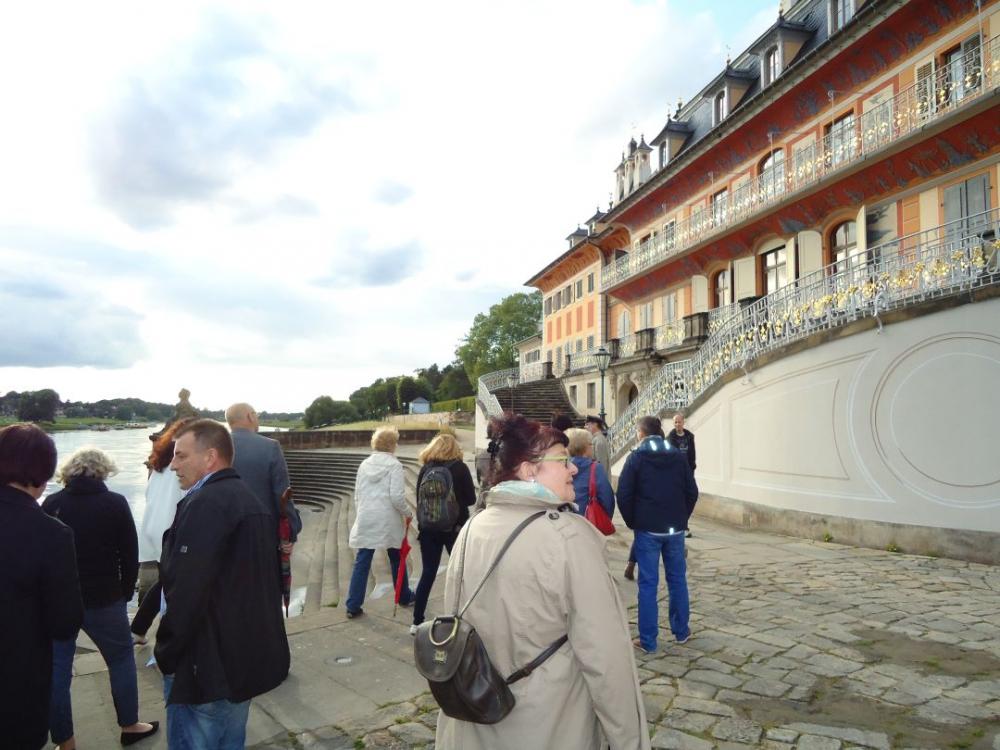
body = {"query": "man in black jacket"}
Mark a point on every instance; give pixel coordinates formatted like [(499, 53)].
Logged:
[(222, 640), (39, 587), (656, 496)]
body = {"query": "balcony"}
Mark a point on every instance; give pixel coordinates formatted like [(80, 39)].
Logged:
[(848, 142), (956, 257)]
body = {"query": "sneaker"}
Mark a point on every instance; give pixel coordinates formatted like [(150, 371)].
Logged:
[(685, 639), (630, 571), (352, 615), (688, 535), (638, 644), (413, 629)]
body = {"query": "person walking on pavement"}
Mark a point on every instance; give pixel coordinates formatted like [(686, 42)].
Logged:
[(602, 451), (683, 440), (656, 496), (380, 504)]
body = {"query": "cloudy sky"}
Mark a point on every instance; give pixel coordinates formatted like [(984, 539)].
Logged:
[(270, 202)]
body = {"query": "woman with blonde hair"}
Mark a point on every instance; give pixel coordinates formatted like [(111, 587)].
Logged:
[(380, 507), (107, 556), (443, 451)]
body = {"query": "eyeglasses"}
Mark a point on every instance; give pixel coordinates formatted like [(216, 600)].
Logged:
[(564, 460)]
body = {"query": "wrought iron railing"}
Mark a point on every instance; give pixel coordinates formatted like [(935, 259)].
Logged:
[(717, 315), (959, 256), (847, 141)]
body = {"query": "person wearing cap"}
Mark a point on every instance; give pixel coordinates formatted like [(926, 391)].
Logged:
[(602, 451)]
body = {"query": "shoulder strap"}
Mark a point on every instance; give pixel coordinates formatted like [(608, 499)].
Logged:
[(532, 665), (506, 545)]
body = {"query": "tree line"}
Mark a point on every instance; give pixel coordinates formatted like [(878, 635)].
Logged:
[(489, 345)]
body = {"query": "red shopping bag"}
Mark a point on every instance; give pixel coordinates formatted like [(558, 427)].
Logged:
[(595, 513)]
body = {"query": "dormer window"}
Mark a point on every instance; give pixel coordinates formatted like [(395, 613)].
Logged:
[(772, 65), (663, 155), (841, 12), (719, 108)]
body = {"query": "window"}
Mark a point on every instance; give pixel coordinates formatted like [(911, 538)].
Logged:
[(567, 295), (645, 316), (772, 66), (579, 345), (663, 155), (965, 205), (962, 71), (590, 342), (670, 308), (572, 394), (925, 89), (559, 360), (843, 244), (840, 140), (548, 306), (590, 282), (775, 270), (719, 108), (723, 291), (556, 301), (668, 235), (624, 323), (532, 356), (840, 13), (772, 175), (720, 206), (591, 395), (579, 289)]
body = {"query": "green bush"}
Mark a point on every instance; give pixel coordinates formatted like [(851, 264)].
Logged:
[(456, 404)]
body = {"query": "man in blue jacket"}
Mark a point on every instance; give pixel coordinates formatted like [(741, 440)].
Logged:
[(656, 496)]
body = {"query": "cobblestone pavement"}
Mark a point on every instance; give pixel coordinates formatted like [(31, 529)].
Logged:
[(796, 644)]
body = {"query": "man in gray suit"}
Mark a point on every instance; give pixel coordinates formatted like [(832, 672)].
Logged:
[(261, 464)]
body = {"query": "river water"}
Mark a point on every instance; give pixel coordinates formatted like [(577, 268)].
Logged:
[(129, 449)]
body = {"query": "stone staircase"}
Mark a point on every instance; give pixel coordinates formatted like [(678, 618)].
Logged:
[(538, 400), (323, 487)]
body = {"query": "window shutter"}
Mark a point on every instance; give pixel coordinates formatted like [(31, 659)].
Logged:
[(925, 88)]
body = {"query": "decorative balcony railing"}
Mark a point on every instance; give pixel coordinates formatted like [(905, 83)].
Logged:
[(848, 141), (959, 256), (531, 372)]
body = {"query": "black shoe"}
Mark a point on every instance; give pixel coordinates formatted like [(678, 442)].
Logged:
[(130, 738), (688, 535), (352, 615)]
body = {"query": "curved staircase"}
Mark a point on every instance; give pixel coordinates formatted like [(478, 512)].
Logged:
[(323, 486), (538, 400)]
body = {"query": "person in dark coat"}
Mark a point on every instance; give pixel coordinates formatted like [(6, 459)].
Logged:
[(683, 440), (222, 638), (656, 496), (107, 556), (443, 450), (39, 587)]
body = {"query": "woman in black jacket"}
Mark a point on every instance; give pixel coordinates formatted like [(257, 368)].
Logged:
[(445, 451), (39, 593), (107, 556)]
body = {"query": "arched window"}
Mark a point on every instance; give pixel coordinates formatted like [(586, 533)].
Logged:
[(719, 107), (772, 174), (772, 66), (723, 290), (843, 245)]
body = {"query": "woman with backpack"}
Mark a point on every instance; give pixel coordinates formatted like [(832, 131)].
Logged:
[(444, 494), (549, 602)]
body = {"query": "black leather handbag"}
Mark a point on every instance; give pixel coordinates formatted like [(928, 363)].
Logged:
[(452, 657)]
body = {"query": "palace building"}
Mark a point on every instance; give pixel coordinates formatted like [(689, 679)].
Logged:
[(804, 259)]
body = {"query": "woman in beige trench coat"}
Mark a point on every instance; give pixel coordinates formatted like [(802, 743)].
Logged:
[(553, 581)]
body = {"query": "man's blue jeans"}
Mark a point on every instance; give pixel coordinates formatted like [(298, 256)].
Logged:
[(220, 725), (359, 579), (649, 548), (108, 629)]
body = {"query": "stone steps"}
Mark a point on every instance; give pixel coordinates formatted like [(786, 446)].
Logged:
[(538, 400)]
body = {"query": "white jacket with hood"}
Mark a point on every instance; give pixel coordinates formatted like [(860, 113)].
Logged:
[(380, 503)]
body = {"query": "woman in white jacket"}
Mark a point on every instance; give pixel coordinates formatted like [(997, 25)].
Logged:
[(380, 506)]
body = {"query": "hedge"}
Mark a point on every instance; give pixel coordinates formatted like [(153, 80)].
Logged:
[(456, 404)]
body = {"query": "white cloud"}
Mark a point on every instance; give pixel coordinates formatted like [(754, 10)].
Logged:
[(292, 201)]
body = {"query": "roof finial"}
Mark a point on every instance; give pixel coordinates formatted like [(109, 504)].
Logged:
[(680, 103)]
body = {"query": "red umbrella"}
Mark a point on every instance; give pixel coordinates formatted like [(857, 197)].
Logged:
[(404, 552)]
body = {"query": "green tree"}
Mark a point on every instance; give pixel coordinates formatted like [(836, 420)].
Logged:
[(319, 412), (38, 406), (454, 384), (489, 344), (409, 388)]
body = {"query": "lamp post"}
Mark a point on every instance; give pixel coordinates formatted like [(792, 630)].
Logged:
[(603, 357)]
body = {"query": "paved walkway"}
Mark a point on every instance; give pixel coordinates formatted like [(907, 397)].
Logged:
[(796, 644)]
